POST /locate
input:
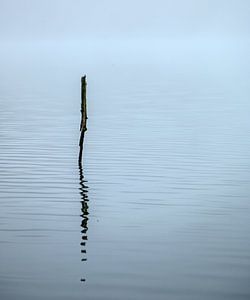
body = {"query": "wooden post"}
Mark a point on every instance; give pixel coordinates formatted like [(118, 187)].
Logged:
[(83, 126)]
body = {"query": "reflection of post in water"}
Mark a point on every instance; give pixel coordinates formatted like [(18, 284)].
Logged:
[(84, 214)]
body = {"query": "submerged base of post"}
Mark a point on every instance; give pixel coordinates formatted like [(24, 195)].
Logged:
[(81, 147)]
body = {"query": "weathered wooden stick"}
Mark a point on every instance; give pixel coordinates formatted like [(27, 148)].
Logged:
[(83, 125)]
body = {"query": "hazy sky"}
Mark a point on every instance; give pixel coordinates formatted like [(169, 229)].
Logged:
[(79, 19)]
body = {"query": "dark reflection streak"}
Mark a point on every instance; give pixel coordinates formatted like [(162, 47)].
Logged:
[(84, 214)]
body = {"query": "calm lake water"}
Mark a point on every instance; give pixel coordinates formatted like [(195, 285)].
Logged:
[(160, 208)]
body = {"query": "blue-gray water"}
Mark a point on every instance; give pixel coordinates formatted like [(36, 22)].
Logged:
[(161, 206)]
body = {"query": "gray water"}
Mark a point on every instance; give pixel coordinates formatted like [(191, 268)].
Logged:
[(160, 208)]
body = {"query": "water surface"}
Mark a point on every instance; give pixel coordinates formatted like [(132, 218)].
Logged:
[(160, 207)]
